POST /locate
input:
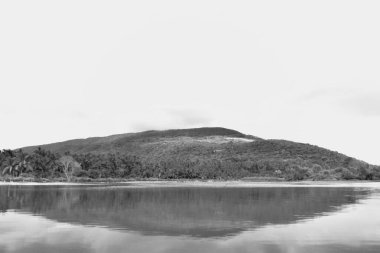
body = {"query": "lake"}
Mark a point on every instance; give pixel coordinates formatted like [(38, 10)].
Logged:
[(125, 218)]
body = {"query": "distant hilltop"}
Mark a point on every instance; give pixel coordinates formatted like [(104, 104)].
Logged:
[(208, 153), (132, 141)]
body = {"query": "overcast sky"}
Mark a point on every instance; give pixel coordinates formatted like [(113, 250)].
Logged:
[(306, 71)]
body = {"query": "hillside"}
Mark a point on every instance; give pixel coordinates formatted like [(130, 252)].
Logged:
[(204, 153), (131, 142)]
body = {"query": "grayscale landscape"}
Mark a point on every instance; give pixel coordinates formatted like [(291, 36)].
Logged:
[(166, 126)]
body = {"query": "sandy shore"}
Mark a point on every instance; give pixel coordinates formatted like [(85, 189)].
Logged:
[(47, 183), (211, 183)]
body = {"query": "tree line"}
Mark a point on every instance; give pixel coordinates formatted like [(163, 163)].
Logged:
[(45, 164)]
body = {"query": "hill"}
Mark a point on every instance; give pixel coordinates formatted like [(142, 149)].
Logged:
[(203, 153), (131, 141)]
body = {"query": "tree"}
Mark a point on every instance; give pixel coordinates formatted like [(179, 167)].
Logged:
[(347, 174), (10, 167), (44, 162), (69, 166), (16, 165)]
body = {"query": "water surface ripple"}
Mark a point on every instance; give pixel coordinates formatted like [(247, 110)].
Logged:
[(189, 219)]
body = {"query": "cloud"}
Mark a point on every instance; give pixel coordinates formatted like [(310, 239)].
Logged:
[(189, 118), (170, 119), (326, 93), (354, 101), (144, 126), (366, 104)]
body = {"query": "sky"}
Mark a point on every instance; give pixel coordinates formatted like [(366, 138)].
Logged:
[(306, 71)]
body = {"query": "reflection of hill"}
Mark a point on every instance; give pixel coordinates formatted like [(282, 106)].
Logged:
[(173, 211)]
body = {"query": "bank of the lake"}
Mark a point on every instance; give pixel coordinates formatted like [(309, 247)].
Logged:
[(203, 183)]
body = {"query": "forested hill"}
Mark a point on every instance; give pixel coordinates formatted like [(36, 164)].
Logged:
[(201, 153), (130, 142)]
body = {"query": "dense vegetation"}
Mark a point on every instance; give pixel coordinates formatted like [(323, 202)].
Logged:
[(206, 153)]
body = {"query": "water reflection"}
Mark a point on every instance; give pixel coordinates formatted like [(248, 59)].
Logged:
[(202, 212), (115, 220)]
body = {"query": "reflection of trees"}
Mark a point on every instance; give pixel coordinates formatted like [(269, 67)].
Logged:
[(190, 211)]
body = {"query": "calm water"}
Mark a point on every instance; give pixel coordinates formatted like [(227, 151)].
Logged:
[(178, 219)]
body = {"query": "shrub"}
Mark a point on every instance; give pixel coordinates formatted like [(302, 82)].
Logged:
[(297, 173), (347, 174), (80, 173), (92, 173), (364, 173)]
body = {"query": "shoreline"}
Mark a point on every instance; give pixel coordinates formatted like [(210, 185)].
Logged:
[(203, 183)]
